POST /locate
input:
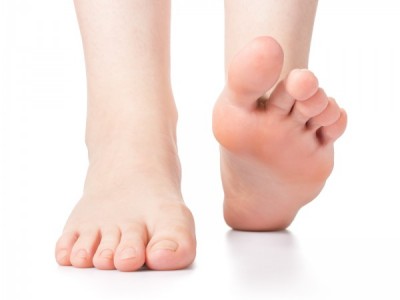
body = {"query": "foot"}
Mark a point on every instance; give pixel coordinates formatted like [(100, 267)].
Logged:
[(276, 151), (131, 212)]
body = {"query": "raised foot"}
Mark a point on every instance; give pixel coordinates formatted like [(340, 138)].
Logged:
[(276, 151)]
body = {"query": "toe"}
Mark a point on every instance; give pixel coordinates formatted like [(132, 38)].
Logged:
[(173, 244), (104, 257), (301, 84), (130, 253), (304, 110), (171, 251), (84, 248), (64, 247), (253, 71), (329, 134), (328, 116)]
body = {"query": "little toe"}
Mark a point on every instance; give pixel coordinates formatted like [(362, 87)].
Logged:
[(104, 257), (304, 110), (84, 249), (328, 116), (64, 247), (130, 253)]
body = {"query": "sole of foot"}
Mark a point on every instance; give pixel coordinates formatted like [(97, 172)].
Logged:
[(276, 151)]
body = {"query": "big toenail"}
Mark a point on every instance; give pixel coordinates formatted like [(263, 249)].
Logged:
[(128, 253), (106, 253), (82, 254), (165, 245)]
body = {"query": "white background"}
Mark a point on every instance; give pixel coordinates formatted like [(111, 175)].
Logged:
[(344, 245)]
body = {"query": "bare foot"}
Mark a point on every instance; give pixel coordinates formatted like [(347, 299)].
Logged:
[(131, 212), (276, 151)]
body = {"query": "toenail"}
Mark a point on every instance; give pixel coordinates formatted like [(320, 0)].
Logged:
[(165, 245), (62, 254), (106, 253), (128, 253), (81, 254)]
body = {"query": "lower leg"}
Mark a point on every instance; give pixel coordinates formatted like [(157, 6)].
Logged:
[(132, 206), (276, 135), (289, 22)]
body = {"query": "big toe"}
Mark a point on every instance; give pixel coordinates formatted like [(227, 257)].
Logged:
[(254, 70), (171, 251), (173, 243)]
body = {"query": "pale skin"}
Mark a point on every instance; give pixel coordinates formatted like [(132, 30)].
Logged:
[(278, 159)]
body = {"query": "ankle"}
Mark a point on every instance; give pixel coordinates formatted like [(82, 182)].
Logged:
[(122, 163), (151, 129), (130, 115)]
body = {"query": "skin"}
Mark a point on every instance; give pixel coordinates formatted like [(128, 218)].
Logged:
[(276, 152), (131, 212), (275, 204)]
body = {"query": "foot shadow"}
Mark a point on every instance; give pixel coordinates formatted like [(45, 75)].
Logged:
[(266, 261)]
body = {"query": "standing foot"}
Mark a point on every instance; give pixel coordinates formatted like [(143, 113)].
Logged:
[(131, 212)]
